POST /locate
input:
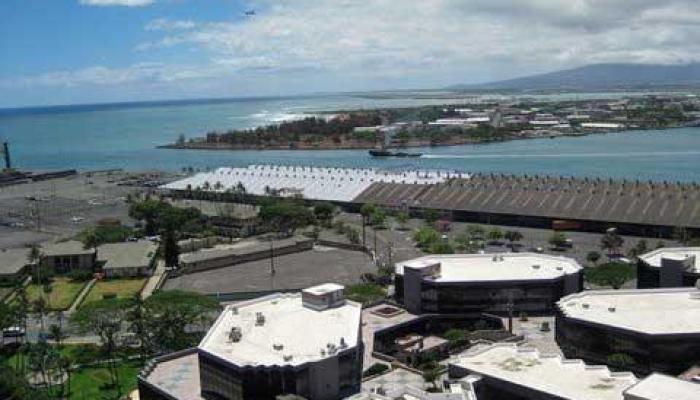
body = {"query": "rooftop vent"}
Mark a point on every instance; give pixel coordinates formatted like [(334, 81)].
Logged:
[(287, 358), (585, 305), (235, 334), (259, 319), (536, 266), (560, 268), (234, 310), (277, 346), (343, 345), (611, 309)]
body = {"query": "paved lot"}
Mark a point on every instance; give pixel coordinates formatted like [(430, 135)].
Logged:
[(403, 246), (57, 208), (292, 271)]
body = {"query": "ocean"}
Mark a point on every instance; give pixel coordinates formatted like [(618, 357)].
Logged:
[(94, 137)]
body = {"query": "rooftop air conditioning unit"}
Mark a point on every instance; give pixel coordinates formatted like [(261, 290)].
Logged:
[(259, 319), (277, 346), (235, 334), (611, 309)]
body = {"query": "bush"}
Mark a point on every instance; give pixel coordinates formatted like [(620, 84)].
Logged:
[(610, 274), (375, 369), (80, 275), (365, 292), (106, 296)]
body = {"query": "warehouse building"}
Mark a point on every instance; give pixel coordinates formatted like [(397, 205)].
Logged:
[(669, 267), (306, 344), (494, 283), (649, 329)]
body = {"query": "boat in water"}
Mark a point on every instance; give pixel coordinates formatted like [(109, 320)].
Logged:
[(389, 153)]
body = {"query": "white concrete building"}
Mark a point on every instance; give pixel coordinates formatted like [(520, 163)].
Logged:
[(669, 267), (465, 283), (656, 329)]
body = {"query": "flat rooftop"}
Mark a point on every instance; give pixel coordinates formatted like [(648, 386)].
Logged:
[(566, 379), (663, 387), (127, 254), (13, 260), (292, 334), (653, 258), (495, 267), (650, 311)]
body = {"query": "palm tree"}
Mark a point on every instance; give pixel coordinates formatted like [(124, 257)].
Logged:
[(34, 257), (56, 333), (431, 376), (91, 241), (39, 305)]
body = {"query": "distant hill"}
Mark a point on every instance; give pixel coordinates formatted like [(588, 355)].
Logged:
[(601, 76)]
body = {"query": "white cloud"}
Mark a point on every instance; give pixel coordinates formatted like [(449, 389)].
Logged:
[(345, 44), (125, 3), (164, 24)]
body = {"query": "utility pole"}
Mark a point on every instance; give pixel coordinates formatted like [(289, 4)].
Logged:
[(272, 264)]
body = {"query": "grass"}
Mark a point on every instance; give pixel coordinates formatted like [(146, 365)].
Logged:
[(63, 293), (93, 382), (122, 288), (365, 292)]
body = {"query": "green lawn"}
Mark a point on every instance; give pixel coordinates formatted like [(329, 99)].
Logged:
[(63, 293), (92, 382), (122, 288)]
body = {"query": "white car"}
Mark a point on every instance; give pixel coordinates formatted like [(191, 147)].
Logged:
[(77, 220)]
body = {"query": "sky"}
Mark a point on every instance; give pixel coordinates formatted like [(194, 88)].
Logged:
[(90, 51)]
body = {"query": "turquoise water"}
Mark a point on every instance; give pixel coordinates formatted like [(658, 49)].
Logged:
[(125, 136)]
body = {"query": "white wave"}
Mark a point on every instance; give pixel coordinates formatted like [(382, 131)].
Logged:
[(567, 155)]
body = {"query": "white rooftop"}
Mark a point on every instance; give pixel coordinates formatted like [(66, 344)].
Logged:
[(653, 258), (651, 311), (303, 333), (495, 267), (318, 183), (567, 379), (663, 387), (322, 289)]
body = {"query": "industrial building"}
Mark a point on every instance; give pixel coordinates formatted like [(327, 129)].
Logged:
[(652, 329), (494, 283), (635, 207), (669, 267), (306, 344)]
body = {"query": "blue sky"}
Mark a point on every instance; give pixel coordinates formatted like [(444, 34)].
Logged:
[(83, 51)]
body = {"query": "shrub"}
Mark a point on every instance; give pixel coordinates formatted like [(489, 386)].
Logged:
[(375, 369), (80, 275)]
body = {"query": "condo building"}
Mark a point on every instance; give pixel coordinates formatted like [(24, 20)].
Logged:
[(650, 329), (669, 267), (306, 344), (494, 283)]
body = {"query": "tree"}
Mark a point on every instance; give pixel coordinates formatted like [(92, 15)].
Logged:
[(476, 231), (7, 317), (378, 217), (455, 335), (172, 315), (366, 210), (324, 212), (610, 274), (512, 237), (34, 257), (441, 247), (558, 239), (426, 236), (431, 375), (593, 257), (639, 249), (495, 235), (402, 218), (171, 251), (91, 241), (430, 215), (285, 216), (136, 317), (681, 235), (611, 242), (104, 318), (56, 333), (40, 307)]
